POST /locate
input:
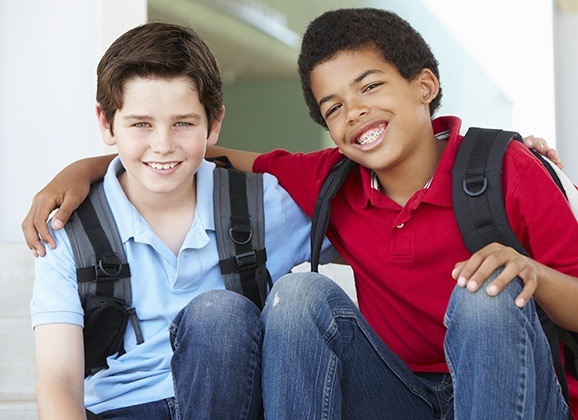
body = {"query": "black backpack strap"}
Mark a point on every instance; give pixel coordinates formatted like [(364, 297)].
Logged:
[(481, 215), (477, 189), (103, 276), (551, 171), (320, 219), (240, 232), (570, 340)]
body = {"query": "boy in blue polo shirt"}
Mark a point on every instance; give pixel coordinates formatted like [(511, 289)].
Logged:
[(159, 101)]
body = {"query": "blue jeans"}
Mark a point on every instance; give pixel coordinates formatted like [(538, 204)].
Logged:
[(321, 360), (157, 410), (216, 365)]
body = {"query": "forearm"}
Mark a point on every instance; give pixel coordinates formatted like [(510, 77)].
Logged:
[(557, 294), (65, 192), (240, 159), (59, 402), (88, 170)]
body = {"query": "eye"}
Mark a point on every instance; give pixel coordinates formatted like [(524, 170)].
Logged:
[(141, 125), (183, 124), (372, 86), (332, 110)]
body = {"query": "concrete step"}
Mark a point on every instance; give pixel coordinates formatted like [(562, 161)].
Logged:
[(17, 401)]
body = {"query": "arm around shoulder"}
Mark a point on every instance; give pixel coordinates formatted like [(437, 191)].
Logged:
[(65, 192), (240, 159)]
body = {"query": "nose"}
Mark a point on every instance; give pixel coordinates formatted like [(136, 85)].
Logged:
[(162, 142), (356, 109)]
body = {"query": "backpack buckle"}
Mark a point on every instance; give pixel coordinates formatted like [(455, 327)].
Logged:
[(246, 261), (107, 268)]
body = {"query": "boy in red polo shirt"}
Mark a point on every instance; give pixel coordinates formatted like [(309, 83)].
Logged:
[(443, 334), (424, 347)]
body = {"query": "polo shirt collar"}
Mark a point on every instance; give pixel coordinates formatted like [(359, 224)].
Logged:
[(132, 225), (439, 189)]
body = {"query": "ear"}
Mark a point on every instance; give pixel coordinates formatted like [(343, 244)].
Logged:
[(429, 85), (215, 129), (105, 130)]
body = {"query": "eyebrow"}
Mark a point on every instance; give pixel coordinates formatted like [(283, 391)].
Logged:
[(192, 115), (353, 82)]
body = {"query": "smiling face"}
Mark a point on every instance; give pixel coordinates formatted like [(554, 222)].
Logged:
[(161, 133), (375, 116)]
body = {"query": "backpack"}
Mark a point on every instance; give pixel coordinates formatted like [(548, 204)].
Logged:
[(103, 272), (480, 214)]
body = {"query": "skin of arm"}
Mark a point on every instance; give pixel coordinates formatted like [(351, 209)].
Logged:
[(541, 146), (71, 186), (240, 159), (66, 192), (59, 352)]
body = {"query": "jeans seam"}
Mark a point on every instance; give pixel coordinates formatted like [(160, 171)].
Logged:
[(438, 390), (329, 386), (367, 335), (251, 377)]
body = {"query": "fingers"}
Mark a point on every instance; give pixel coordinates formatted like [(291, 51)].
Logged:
[(63, 213), (553, 156), (537, 143), (35, 227), (541, 145), (473, 273), (31, 234), (511, 271)]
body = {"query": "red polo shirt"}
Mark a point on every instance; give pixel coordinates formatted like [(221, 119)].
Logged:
[(403, 257)]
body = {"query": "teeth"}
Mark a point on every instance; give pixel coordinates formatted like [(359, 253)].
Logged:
[(164, 166), (370, 136)]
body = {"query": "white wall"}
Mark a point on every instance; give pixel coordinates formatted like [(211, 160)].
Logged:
[(566, 65), (49, 51)]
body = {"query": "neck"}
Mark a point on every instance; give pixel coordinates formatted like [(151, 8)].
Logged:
[(170, 216), (403, 181)]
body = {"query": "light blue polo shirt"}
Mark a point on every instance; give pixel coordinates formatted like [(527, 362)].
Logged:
[(162, 283)]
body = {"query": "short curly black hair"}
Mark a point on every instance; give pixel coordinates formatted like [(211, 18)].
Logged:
[(354, 29)]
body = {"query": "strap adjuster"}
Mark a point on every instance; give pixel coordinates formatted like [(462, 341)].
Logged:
[(246, 261), (107, 268)]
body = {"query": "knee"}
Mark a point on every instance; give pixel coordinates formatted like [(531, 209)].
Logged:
[(224, 311), (474, 310), (302, 289), (299, 296)]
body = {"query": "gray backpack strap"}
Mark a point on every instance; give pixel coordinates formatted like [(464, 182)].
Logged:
[(103, 276), (98, 250), (240, 232)]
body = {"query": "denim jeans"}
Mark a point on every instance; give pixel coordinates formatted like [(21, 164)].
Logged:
[(216, 366), (157, 410), (321, 360)]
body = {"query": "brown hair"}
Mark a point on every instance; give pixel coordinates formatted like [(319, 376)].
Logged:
[(160, 50)]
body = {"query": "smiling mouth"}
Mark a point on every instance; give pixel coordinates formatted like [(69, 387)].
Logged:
[(370, 136), (162, 166)]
